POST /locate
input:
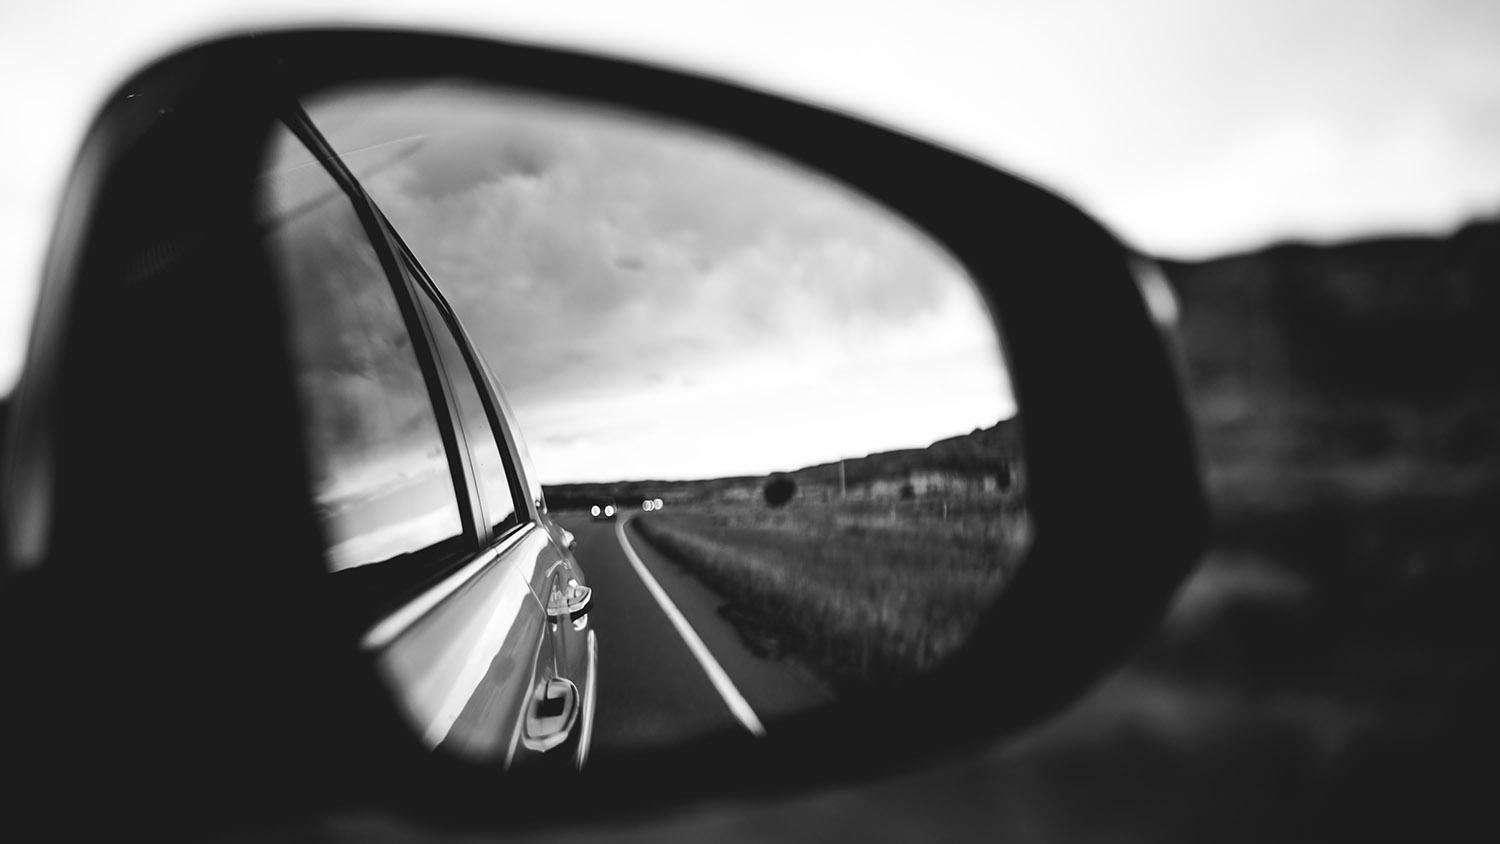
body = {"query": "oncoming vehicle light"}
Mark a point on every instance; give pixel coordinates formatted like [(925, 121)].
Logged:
[(609, 509), (646, 505), (656, 504), (594, 510)]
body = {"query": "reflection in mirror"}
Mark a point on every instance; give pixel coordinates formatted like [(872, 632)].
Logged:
[(774, 416)]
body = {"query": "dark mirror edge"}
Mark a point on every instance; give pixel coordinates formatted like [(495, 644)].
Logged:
[(1115, 488)]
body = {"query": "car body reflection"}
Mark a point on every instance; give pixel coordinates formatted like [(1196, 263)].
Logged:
[(464, 591)]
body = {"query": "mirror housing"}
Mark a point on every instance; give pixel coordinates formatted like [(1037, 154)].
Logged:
[(573, 599), (122, 536)]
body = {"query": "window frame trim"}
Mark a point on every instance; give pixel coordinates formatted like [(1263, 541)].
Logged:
[(427, 289), (527, 511), (440, 392)]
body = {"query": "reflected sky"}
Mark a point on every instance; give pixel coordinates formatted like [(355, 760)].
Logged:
[(665, 303)]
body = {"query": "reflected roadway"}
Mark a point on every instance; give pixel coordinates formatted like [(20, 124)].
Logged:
[(653, 689)]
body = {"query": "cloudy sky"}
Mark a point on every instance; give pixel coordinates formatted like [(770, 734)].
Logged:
[(1191, 127), (663, 302)]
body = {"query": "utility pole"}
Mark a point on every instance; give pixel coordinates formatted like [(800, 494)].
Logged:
[(841, 478)]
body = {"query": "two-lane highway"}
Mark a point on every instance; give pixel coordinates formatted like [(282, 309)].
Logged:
[(671, 667)]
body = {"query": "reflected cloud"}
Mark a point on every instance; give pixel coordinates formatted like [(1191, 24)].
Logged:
[(637, 284)]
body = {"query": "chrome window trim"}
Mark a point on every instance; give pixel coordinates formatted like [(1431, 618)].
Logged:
[(388, 248), (491, 394), (386, 630), (586, 718)]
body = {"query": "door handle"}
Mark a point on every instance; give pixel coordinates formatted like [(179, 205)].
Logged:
[(551, 714)]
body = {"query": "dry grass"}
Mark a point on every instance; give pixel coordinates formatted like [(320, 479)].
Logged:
[(861, 592)]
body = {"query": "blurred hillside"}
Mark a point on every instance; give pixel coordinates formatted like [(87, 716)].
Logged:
[(1348, 408), (1362, 368)]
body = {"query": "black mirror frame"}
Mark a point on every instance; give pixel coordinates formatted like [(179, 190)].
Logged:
[(1114, 481)]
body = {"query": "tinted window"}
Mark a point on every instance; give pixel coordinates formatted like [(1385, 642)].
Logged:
[(489, 466), (533, 480), (380, 474)]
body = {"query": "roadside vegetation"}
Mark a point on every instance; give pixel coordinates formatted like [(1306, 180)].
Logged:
[(859, 591)]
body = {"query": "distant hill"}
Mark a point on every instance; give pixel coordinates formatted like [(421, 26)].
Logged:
[(984, 451), (1370, 367), (993, 452), (1403, 317)]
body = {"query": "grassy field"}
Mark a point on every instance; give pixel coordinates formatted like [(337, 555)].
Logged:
[(861, 592)]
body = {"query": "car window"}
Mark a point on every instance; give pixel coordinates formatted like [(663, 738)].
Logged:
[(489, 466), (380, 474), (518, 440)]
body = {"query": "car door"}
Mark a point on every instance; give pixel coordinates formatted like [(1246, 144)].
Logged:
[(431, 561), (509, 509)]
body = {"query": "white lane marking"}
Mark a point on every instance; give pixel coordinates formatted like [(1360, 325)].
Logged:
[(732, 697)]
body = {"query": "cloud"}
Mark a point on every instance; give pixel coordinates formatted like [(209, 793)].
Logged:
[(1316, 178), (614, 270)]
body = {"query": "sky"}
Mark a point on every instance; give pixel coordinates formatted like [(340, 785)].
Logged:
[(664, 302), (1192, 128)]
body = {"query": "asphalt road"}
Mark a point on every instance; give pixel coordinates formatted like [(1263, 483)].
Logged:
[(654, 689)]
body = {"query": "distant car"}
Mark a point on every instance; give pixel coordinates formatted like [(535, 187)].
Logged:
[(604, 510)]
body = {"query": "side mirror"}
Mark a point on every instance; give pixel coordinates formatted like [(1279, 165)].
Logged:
[(214, 495), (570, 599)]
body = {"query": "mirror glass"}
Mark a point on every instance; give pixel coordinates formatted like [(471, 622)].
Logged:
[(774, 415)]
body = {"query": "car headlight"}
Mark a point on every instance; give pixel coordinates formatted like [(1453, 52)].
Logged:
[(594, 509)]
